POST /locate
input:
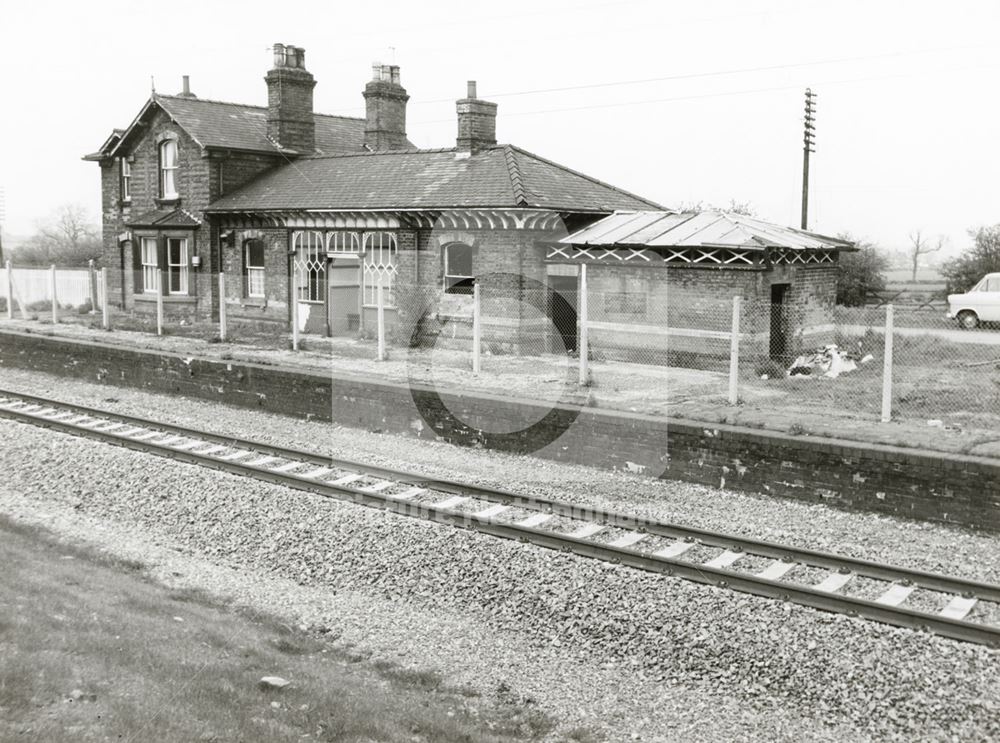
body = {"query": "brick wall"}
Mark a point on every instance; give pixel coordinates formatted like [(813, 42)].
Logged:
[(946, 488), (700, 299), (273, 308)]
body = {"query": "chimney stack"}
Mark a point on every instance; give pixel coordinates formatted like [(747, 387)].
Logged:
[(186, 88), (385, 109), (477, 122), (290, 85)]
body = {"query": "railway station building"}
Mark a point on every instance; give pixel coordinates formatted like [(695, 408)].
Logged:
[(293, 206)]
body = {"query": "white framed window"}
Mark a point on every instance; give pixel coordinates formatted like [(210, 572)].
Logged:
[(150, 267), (177, 265), (309, 265), (253, 265), (379, 267), (126, 178), (168, 169), (343, 243), (458, 276)]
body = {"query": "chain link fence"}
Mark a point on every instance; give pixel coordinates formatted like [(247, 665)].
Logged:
[(791, 365)]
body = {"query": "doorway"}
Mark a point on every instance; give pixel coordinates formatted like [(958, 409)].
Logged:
[(562, 308), (345, 295), (779, 322)]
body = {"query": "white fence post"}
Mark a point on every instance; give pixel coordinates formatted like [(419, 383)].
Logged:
[(381, 322), (10, 291), (105, 311), (295, 318), (734, 355), (159, 302), (887, 366), (222, 307), (477, 328), (55, 301), (92, 285), (584, 334)]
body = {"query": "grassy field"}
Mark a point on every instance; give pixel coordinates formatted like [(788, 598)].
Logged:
[(92, 651)]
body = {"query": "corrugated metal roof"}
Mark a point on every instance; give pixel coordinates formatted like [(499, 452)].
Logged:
[(710, 228)]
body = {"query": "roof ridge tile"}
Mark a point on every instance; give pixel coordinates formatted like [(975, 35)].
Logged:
[(516, 177), (577, 173)]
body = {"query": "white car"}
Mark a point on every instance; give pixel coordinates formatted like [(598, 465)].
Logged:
[(978, 305)]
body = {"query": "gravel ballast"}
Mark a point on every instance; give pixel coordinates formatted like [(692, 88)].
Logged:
[(621, 650)]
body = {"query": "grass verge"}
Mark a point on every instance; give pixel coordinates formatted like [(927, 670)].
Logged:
[(91, 650)]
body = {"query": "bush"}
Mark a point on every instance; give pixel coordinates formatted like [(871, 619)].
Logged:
[(981, 258), (860, 274)]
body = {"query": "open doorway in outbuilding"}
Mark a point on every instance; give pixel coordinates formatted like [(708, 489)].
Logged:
[(779, 322), (563, 309)]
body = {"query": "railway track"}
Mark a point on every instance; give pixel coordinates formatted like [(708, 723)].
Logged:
[(723, 560)]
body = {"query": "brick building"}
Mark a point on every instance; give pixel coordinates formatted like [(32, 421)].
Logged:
[(308, 214), (665, 281)]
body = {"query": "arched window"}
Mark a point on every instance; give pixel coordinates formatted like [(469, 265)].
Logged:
[(458, 276), (168, 169), (253, 267)]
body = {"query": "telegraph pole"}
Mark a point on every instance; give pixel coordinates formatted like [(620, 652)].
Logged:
[(808, 141)]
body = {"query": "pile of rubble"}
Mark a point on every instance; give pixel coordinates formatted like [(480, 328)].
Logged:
[(827, 361)]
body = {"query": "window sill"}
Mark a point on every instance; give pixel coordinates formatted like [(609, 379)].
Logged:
[(253, 301), (169, 201), (167, 298)]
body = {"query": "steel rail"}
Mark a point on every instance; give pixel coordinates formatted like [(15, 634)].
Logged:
[(959, 629)]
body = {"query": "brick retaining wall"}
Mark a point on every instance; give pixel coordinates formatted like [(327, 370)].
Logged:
[(948, 488)]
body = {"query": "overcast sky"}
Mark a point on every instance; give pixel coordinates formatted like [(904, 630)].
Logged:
[(679, 102)]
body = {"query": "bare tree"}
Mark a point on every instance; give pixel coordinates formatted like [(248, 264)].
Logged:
[(744, 208), (66, 238), (921, 245)]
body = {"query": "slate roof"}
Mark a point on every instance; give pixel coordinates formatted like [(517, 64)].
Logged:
[(237, 126), (165, 218), (500, 176), (712, 228)]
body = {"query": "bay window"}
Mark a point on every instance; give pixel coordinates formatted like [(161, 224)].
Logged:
[(150, 267), (177, 265)]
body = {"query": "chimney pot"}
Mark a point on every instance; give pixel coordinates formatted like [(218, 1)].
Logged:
[(394, 74), (376, 70), (471, 93), (186, 88), (279, 55)]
